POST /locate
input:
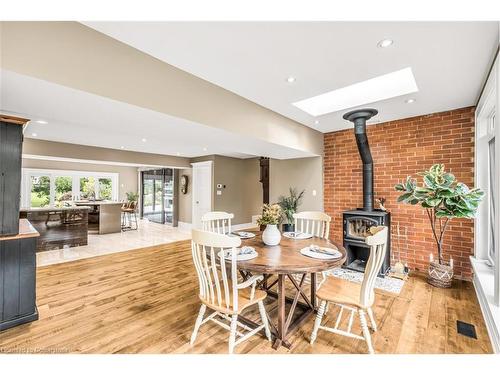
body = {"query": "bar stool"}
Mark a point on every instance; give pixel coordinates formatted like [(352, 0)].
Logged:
[(129, 209)]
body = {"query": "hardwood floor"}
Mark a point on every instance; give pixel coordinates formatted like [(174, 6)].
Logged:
[(145, 301)]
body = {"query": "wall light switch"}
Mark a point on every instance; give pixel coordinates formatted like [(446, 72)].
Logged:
[(219, 192), (314, 193)]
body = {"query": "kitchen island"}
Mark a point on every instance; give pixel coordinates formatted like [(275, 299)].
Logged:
[(59, 227), (104, 216)]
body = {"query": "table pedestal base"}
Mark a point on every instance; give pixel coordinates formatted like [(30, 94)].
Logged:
[(286, 322)]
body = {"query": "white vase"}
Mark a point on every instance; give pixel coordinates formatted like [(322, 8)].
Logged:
[(271, 235)]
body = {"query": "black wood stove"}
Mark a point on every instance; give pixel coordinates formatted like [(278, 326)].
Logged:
[(357, 222)]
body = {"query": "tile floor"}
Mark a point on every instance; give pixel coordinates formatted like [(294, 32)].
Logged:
[(148, 234)]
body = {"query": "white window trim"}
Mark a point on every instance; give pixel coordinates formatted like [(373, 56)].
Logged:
[(487, 275), (76, 175)]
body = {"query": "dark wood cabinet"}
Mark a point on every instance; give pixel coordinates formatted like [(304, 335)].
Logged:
[(18, 277), (11, 140)]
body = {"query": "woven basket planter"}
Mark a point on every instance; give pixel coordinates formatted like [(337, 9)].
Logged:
[(440, 275)]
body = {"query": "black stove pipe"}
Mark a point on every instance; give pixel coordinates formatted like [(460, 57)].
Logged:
[(359, 118)]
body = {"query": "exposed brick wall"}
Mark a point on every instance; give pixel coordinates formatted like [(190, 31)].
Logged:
[(401, 148)]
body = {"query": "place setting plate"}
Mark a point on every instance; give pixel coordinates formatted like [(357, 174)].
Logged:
[(242, 234), (297, 235), (242, 253), (319, 252)]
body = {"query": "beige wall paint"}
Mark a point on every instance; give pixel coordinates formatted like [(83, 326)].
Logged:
[(127, 175), (304, 173), (73, 55), (186, 200), (242, 195), (72, 151), (243, 192)]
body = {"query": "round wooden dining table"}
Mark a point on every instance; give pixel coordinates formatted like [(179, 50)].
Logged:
[(279, 263)]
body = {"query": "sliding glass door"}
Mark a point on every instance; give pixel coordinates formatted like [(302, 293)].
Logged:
[(158, 196)]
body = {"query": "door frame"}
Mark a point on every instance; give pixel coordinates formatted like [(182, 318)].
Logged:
[(201, 164)]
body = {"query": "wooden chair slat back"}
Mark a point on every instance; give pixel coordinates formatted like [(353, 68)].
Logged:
[(313, 222), (217, 221), (378, 247), (208, 258)]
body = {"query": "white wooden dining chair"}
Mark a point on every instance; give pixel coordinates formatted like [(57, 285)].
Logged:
[(217, 221), (313, 222), (316, 223), (354, 297), (219, 292)]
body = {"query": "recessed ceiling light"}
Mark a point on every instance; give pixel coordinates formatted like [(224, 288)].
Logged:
[(122, 147), (409, 101), (401, 82), (290, 79), (316, 122), (384, 43), (34, 135), (41, 121), (204, 149), (144, 139)]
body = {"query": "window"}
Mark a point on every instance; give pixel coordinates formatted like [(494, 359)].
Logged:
[(491, 198), (49, 188), (105, 188), (63, 190), (87, 188), (40, 191), (486, 260)]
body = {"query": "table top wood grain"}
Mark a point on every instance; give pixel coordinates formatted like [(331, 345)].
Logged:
[(285, 258)]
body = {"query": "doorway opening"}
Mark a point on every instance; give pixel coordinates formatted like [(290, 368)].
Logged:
[(159, 201)]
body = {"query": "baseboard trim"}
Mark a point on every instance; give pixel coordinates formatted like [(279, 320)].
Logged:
[(19, 320)]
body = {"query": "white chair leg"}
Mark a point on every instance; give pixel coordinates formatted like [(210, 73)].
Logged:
[(372, 319), (263, 317), (197, 324), (366, 331), (232, 333), (317, 322)]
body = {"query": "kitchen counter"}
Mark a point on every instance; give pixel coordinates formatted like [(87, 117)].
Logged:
[(59, 227), (26, 230), (45, 209), (104, 216)]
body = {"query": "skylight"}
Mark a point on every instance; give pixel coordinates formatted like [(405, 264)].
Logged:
[(383, 87)]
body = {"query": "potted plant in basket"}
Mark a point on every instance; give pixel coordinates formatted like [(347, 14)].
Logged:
[(443, 199), (271, 217), (289, 206)]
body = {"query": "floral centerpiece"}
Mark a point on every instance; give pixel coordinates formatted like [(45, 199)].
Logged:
[(271, 217), (443, 198)]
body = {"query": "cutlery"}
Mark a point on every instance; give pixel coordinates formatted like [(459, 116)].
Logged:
[(317, 249)]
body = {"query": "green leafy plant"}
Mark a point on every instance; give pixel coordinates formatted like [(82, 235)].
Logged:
[(290, 204), (132, 197), (271, 214), (443, 199)]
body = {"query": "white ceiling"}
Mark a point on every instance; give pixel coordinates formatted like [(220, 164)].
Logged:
[(253, 59), (82, 118)]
